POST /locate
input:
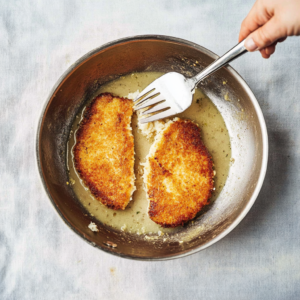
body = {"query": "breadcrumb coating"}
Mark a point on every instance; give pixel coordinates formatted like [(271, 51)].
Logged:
[(178, 174), (104, 150)]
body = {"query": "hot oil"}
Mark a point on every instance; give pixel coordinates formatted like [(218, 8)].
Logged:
[(135, 218)]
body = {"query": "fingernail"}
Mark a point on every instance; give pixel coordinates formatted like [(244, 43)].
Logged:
[(250, 45)]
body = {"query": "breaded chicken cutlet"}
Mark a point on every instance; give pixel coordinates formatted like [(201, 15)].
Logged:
[(104, 150), (178, 174)]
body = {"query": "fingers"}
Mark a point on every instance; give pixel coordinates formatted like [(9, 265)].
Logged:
[(255, 18), (281, 40), (248, 24), (264, 54), (265, 36), (268, 51)]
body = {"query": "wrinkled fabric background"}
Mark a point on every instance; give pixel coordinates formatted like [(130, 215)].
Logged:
[(41, 258)]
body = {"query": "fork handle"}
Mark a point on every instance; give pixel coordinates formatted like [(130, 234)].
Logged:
[(231, 55)]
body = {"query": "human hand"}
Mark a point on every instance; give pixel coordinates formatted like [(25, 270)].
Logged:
[(269, 22)]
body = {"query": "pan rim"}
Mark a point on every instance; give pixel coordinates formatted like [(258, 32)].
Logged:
[(234, 73)]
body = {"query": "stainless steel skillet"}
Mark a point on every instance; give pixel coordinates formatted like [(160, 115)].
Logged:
[(242, 115)]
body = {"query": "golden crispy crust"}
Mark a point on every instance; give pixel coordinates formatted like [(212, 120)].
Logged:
[(104, 150), (179, 181)]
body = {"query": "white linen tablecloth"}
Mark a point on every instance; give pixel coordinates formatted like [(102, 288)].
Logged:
[(41, 258)]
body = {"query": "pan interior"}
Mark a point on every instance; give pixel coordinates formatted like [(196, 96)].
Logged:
[(155, 54), (134, 218)]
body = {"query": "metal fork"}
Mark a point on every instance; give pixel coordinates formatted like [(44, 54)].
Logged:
[(172, 93)]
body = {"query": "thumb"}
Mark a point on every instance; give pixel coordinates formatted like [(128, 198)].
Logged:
[(265, 35)]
